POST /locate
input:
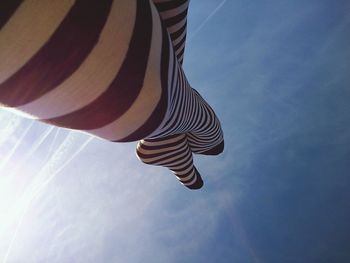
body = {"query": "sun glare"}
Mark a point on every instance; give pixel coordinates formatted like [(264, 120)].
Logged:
[(17, 175), (31, 156)]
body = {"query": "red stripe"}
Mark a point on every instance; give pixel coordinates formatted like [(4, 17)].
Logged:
[(60, 56), (7, 8), (124, 89)]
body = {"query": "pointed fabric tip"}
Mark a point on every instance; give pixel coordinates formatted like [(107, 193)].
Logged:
[(215, 151), (198, 184)]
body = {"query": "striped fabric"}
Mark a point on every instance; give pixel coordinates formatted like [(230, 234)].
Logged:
[(111, 69)]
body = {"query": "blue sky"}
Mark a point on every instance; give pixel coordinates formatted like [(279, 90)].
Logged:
[(277, 74)]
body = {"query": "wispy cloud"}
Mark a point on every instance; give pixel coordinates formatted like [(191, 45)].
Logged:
[(14, 148), (206, 20), (99, 203), (48, 172)]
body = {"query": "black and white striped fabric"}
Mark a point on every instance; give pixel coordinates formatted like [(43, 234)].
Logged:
[(111, 69)]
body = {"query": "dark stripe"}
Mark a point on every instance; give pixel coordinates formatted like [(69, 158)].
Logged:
[(163, 146), (197, 117), (60, 56), (198, 111), (178, 45), (181, 53), (165, 138), (185, 175), (7, 8), (164, 6), (184, 160), (198, 183), (187, 157), (203, 123), (151, 154), (178, 33), (180, 168), (175, 19), (158, 114), (165, 151), (174, 91), (181, 101), (216, 150), (165, 161), (188, 110), (187, 181), (161, 139), (124, 89), (160, 154)]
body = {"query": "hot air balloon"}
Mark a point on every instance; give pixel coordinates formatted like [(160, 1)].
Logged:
[(112, 69)]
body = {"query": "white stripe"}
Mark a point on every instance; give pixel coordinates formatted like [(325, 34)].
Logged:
[(148, 97), (27, 30), (177, 40), (163, 142), (172, 107), (176, 123), (192, 181), (180, 49), (170, 88), (176, 164), (167, 161), (182, 172), (161, 1), (174, 12), (177, 26), (156, 159), (181, 59), (97, 71), (162, 150)]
